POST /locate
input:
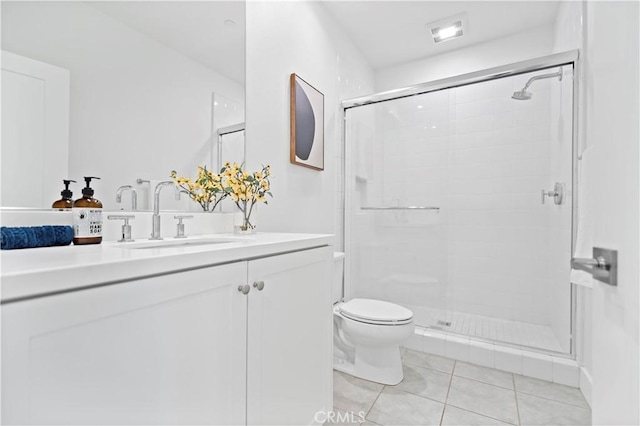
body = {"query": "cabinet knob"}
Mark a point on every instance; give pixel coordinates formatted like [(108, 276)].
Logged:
[(244, 289), (259, 285)]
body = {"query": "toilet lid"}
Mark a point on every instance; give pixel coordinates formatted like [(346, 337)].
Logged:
[(375, 311)]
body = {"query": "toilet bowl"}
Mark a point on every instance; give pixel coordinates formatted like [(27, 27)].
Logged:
[(367, 336)]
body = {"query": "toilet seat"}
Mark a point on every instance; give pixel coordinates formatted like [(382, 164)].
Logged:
[(375, 312)]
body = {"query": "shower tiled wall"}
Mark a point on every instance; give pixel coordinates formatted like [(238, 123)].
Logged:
[(483, 158), (497, 226)]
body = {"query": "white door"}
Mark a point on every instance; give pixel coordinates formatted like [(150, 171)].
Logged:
[(35, 131), (289, 338), (164, 350), (612, 134)]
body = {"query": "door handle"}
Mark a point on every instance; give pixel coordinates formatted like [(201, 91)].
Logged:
[(244, 289), (259, 285), (603, 266)]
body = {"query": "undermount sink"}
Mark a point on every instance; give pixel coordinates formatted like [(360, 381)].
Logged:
[(175, 242)]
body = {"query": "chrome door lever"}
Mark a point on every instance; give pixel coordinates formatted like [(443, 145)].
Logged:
[(557, 194), (603, 266)]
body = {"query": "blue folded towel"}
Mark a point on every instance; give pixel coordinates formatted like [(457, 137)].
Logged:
[(35, 236)]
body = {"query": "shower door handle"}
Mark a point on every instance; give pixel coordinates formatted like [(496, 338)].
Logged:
[(603, 265), (557, 194)]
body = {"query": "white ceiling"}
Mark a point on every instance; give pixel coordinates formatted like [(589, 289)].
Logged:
[(195, 28), (393, 32), (386, 32)]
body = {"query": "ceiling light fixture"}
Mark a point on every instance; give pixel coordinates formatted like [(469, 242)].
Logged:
[(447, 32)]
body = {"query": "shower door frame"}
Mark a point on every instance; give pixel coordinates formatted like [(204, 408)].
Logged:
[(570, 57)]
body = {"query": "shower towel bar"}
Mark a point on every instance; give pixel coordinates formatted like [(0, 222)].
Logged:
[(400, 208)]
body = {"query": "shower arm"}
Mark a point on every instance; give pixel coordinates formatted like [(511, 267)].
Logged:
[(541, 77)]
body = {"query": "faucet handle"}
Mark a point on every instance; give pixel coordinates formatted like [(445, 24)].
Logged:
[(126, 228), (180, 226)]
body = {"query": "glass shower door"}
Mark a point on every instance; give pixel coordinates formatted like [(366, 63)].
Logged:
[(445, 214)]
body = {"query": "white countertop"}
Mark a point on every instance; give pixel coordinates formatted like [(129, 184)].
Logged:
[(32, 272)]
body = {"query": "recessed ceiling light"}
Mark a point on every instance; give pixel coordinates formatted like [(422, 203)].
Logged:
[(419, 107), (447, 31)]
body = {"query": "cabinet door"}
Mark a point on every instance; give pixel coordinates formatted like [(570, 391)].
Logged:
[(289, 338), (163, 350)]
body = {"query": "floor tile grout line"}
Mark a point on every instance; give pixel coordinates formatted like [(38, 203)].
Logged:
[(488, 384), (480, 414), (432, 369), (446, 398), (415, 394), (515, 395), (374, 401), (485, 383), (555, 400)]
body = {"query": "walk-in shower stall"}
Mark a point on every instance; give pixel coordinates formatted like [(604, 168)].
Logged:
[(459, 202)]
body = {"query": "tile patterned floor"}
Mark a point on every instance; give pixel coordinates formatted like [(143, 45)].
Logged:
[(441, 391)]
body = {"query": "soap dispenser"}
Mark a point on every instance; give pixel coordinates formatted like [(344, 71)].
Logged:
[(87, 217), (64, 203)]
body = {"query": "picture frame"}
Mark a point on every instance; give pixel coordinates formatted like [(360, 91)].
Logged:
[(307, 124)]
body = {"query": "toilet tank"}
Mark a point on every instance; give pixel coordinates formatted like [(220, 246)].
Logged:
[(338, 276)]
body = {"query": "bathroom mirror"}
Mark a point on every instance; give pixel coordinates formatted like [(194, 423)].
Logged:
[(147, 86)]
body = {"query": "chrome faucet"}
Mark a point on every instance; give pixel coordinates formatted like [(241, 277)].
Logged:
[(134, 196), (155, 231)]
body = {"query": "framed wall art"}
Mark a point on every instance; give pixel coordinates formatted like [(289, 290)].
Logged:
[(307, 124)]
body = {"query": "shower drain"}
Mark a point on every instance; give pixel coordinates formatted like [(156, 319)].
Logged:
[(444, 323)]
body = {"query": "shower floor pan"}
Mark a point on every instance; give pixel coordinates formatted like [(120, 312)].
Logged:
[(494, 329)]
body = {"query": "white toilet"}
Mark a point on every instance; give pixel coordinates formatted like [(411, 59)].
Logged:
[(368, 334)]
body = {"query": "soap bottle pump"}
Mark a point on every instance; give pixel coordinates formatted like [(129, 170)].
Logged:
[(64, 203), (87, 217)]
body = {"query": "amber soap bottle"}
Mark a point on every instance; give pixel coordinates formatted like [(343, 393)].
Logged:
[(87, 217), (64, 203)]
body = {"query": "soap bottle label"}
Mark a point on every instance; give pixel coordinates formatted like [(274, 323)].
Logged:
[(87, 223)]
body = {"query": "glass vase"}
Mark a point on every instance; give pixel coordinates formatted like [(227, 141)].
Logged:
[(243, 225)]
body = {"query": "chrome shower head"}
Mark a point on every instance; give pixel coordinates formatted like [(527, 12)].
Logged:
[(522, 95)]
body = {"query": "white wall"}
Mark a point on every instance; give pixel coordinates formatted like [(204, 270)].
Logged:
[(518, 47), (612, 48), (138, 108), (302, 38)]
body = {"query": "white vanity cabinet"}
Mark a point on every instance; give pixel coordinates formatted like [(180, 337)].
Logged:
[(176, 348), (289, 366)]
